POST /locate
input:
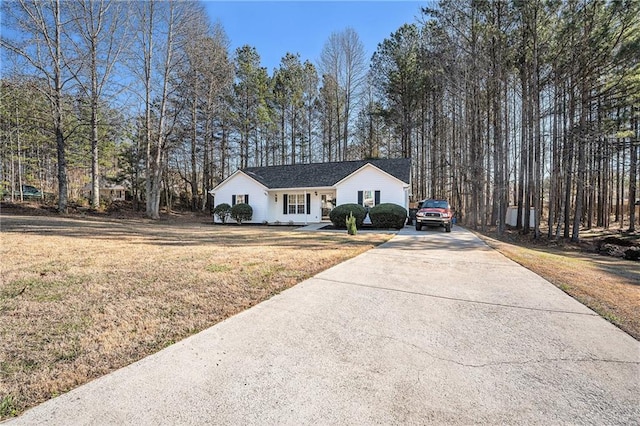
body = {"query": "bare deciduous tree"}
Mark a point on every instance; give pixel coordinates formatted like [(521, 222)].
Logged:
[(103, 34), (343, 59), (41, 25), (159, 49)]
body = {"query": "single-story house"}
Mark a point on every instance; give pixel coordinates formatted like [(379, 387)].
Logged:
[(108, 191), (306, 193)]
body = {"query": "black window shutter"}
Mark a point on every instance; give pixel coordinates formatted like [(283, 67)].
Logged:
[(360, 196), (246, 198), (377, 198), (285, 203), (233, 200), (308, 203)]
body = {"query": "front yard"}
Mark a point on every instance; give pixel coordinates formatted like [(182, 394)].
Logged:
[(81, 297)]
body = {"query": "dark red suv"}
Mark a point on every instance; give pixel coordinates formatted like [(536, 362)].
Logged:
[(434, 213)]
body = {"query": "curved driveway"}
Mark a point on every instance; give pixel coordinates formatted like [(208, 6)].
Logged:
[(429, 328)]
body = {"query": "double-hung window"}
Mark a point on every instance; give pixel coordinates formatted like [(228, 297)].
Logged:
[(298, 203), (239, 199), (368, 198)]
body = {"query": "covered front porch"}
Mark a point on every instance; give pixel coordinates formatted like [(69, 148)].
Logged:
[(300, 206)]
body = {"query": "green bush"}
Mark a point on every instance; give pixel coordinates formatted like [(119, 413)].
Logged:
[(241, 212), (388, 215), (339, 214), (222, 212)]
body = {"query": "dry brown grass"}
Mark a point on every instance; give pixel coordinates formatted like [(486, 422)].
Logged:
[(610, 286), (82, 297)]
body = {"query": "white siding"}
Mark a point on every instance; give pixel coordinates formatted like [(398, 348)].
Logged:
[(371, 178), (241, 184), (276, 208), (268, 204)]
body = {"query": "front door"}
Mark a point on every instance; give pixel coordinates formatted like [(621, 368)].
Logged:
[(327, 203)]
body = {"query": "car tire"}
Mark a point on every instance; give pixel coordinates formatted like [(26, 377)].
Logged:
[(418, 226), (447, 228)]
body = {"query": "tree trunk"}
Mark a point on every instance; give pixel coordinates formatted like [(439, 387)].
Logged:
[(568, 169), (60, 139), (582, 174), (633, 169), (537, 192), (95, 164), (194, 150), (555, 164)]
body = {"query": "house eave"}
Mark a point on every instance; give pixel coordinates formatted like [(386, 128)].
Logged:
[(307, 189)]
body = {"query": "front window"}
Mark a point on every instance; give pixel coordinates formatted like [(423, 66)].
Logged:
[(368, 198), (296, 203), (240, 199)]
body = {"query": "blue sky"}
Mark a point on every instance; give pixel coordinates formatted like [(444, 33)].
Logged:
[(277, 27)]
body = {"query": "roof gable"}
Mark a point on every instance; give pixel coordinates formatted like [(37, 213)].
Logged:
[(371, 167), (234, 176), (316, 175)]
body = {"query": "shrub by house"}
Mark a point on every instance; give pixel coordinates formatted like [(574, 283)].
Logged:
[(241, 212), (222, 212), (388, 215), (339, 214)]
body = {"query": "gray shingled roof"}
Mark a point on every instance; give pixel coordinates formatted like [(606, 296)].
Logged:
[(323, 174)]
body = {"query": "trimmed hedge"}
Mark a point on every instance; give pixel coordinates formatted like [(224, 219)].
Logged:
[(339, 214), (388, 215), (241, 212), (222, 212)]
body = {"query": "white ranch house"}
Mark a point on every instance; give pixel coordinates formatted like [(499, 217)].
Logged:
[(108, 191), (306, 193)]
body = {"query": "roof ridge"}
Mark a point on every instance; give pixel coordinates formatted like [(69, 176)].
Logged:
[(325, 174), (327, 162)]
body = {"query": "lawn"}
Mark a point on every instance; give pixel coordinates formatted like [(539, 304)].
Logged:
[(81, 297)]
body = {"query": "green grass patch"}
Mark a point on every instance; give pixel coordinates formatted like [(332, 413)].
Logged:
[(67, 355), (17, 365), (8, 406), (214, 267), (17, 287), (41, 289), (604, 313)]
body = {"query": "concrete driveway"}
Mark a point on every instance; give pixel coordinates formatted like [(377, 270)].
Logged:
[(430, 328)]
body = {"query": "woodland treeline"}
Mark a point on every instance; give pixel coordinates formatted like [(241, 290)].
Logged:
[(498, 103)]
